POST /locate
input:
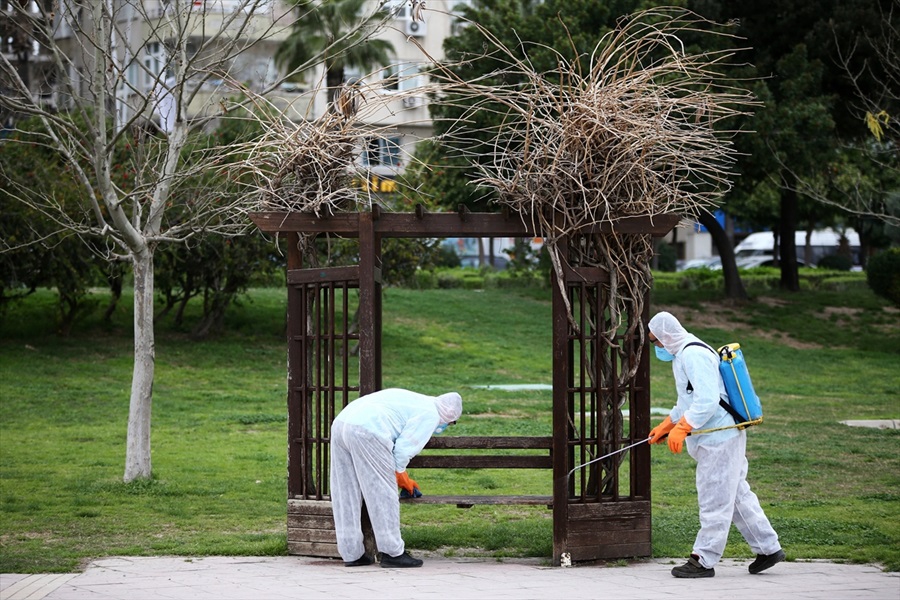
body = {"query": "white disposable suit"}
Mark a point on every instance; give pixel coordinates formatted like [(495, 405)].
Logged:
[(372, 438), (723, 493)]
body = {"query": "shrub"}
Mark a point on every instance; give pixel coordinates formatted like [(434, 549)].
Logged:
[(449, 279), (843, 282), (883, 274), (701, 279), (761, 278), (446, 257), (515, 279), (836, 262), (666, 281), (666, 257), (469, 278), (426, 280)]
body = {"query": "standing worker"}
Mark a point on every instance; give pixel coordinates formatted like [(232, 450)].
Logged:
[(372, 440), (722, 489)]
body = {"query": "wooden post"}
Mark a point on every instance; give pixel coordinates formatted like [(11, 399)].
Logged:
[(297, 404), (561, 378), (369, 330), (369, 306)]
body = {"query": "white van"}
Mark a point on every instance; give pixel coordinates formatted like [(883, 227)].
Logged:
[(757, 248)]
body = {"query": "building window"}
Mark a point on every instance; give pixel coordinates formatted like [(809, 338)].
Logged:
[(229, 6), (352, 74), (400, 77), (398, 8), (382, 152), (132, 76), (154, 60)]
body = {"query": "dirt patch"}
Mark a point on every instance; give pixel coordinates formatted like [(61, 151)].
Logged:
[(711, 314), (723, 316), (787, 341), (840, 316), (844, 311), (772, 301), (8, 538)]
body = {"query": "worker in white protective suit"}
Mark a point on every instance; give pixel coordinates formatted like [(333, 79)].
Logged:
[(723, 493), (372, 440)]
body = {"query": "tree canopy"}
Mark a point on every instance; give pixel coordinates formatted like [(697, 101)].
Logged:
[(339, 33)]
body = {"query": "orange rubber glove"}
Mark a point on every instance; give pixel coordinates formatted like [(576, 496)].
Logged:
[(678, 434), (403, 481), (659, 432)]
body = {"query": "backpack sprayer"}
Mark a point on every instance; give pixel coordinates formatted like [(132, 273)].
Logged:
[(743, 404)]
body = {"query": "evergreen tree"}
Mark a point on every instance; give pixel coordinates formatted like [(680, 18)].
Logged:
[(338, 31)]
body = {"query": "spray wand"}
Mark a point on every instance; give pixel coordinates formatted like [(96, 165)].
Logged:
[(620, 450)]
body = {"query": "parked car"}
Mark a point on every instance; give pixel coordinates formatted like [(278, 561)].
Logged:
[(745, 262), (756, 249), (759, 260), (710, 262)]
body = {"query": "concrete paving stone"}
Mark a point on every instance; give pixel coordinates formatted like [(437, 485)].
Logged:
[(7, 580), (239, 578), (35, 587)]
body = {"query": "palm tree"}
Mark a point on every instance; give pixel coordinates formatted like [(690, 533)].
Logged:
[(338, 30)]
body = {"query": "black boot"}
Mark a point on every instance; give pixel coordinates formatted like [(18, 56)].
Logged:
[(692, 569), (766, 561), (404, 561), (362, 561)]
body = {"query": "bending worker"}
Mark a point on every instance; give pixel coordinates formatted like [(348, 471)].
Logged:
[(722, 489), (372, 440)]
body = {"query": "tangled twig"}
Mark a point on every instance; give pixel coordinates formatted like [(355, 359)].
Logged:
[(640, 132)]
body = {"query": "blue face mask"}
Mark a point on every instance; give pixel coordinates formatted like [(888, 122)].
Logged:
[(440, 429), (664, 355)]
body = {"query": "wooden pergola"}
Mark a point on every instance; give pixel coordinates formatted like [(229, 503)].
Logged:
[(597, 514)]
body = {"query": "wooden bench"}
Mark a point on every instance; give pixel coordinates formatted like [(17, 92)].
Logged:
[(484, 461)]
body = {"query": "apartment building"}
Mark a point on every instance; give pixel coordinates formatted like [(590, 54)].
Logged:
[(143, 46), (21, 27), (402, 118)]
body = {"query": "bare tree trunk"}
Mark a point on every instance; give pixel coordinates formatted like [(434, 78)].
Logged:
[(116, 280), (807, 246), (734, 287), (137, 451), (790, 278), (729, 230)]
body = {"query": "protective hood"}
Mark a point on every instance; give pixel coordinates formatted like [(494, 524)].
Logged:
[(449, 406), (669, 331)]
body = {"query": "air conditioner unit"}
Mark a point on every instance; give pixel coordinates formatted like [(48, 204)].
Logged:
[(416, 28), (411, 101)]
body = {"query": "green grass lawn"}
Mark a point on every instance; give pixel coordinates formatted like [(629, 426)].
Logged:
[(219, 427)]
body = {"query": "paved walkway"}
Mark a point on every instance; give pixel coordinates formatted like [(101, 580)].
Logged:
[(240, 578)]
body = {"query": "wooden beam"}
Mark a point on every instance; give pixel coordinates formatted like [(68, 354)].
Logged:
[(478, 461), (323, 275), (470, 501), (489, 442), (461, 224)]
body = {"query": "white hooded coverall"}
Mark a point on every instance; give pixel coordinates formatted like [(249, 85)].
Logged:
[(373, 437), (723, 493)]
